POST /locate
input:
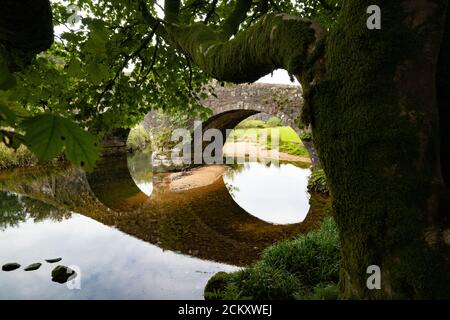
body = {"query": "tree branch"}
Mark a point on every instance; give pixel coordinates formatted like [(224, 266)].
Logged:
[(134, 54), (152, 21), (232, 23), (171, 10), (275, 41), (211, 12)]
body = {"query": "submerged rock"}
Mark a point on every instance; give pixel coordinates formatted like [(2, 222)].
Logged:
[(33, 266), (61, 274), (10, 266), (53, 260)]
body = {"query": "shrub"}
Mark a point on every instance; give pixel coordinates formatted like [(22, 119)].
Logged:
[(10, 158), (296, 149), (318, 182), (251, 123), (305, 268), (274, 122), (138, 138), (305, 136)]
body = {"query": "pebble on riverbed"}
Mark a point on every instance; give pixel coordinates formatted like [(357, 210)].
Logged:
[(33, 266), (10, 266), (61, 274), (53, 260)]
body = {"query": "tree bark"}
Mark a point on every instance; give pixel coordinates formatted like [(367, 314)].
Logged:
[(443, 83), (376, 128), (373, 106), (26, 28)]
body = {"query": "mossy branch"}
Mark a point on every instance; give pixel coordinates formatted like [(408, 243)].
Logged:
[(171, 10), (275, 41), (232, 23)]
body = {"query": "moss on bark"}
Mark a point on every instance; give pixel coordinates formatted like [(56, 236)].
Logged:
[(276, 41), (375, 127), (443, 86)]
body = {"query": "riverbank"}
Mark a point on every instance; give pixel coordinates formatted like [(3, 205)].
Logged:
[(10, 158), (196, 178), (242, 149), (305, 268)]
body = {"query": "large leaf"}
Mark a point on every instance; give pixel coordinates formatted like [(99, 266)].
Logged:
[(7, 80), (6, 114), (47, 135)]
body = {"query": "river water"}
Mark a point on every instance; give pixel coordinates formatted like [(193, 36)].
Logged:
[(129, 236)]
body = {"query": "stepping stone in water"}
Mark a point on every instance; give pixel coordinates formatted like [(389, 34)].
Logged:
[(61, 274), (53, 260), (33, 266), (10, 266)]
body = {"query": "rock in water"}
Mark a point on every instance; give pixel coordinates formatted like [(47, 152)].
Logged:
[(61, 274), (33, 266), (10, 266), (53, 260)]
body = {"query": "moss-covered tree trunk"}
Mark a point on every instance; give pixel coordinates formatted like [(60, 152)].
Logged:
[(376, 128), (371, 97), (443, 83)]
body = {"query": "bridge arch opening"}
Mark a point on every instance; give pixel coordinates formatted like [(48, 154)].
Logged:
[(259, 184)]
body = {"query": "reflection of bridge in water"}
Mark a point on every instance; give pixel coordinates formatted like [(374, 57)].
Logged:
[(203, 222)]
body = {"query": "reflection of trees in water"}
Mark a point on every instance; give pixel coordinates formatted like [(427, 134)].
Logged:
[(16, 209), (231, 189), (12, 210), (140, 166), (40, 211)]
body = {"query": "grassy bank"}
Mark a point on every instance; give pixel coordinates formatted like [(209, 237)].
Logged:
[(10, 158), (289, 141), (304, 268)]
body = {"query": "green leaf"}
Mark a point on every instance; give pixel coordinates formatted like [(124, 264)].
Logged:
[(97, 72), (7, 114), (7, 80), (75, 68), (47, 135), (80, 148)]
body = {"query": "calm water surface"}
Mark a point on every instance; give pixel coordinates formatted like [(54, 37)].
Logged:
[(145, 242)]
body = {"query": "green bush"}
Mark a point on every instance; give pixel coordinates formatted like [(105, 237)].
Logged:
[(296, 149), (304, 268), (322, 291), (138, 138), (10, 158), (274, 122), (250, 124), (313, 257), (306, 136), (318, 182)]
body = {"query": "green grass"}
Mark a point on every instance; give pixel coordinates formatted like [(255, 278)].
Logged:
[(304, 268), (286, 134), (10, 158), (318, 181), (250, 124), (289, 142)]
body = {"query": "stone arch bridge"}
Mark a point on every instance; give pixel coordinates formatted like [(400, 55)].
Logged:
[(234, 103)]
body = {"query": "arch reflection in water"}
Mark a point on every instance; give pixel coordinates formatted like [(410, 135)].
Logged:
[(140, 166), (273, 193)]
